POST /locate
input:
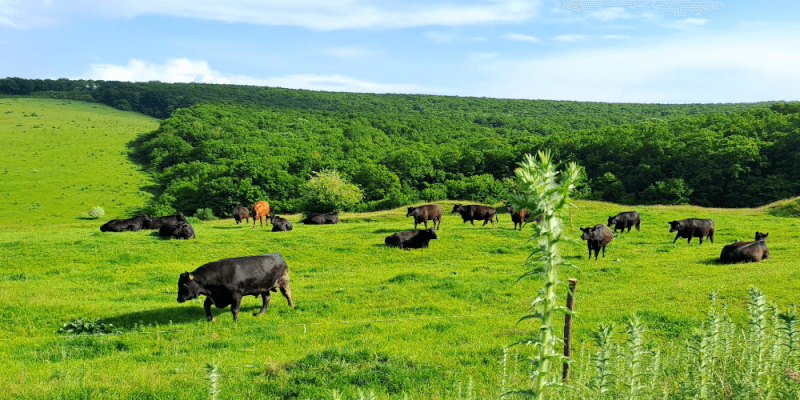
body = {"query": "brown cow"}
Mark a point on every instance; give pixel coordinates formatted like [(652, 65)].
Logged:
[(746, 251), (597, 237), (260, 211), (428, 212)]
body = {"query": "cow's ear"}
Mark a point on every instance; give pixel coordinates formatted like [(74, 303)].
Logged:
[(191, 277)]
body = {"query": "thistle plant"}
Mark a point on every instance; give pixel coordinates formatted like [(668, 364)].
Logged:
[(543, 190)]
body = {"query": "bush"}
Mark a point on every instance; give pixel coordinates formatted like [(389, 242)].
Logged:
[(97, 212), (327, 191), (85, 325), (204, 214)]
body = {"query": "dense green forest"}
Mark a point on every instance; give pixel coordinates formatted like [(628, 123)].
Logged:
[(217, 155), (224, 144)]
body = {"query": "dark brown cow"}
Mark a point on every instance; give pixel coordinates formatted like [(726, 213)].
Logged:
[(411, 239), (322, 219), (240, 213), (475, 212), (743, 252), (127, 225), (181, 230), (280, 224), (423, 214), (521, 216), (597, 237), (693, 227), (624, 220), (226, 281)]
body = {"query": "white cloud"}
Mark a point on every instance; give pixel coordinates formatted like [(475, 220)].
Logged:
[(616, 37), (712, 67), (185, 70), (174, 70), (610, 14), (334, 14), (569, 38), (348, 52), (688, 23), (9, 11), (521, 38)]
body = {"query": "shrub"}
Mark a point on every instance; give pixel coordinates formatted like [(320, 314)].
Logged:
[(204, 214), (97, 212), (327, 191), (84, 325)]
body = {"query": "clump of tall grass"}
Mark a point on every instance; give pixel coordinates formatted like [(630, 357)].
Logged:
[(97, 212)]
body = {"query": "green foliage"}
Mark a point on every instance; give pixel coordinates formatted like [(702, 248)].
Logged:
[(327, 191), (86, 326), (97, 212), (543, 193), (204, 214)]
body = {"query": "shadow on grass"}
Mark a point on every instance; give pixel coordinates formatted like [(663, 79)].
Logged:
[(160, 316), (88, 219), (227, 227), (387, 231), (711, 261)]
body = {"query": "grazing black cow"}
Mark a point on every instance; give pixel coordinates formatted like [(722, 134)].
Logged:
[(746, 251), (693, 227), (226, 281), (475, 212), (127, 225), (158, 222), (321, 219), (411, 239), (240, 213), (423, 214), (624, 220), (597, 237), (181, 230), (280, 224), (521, 216)]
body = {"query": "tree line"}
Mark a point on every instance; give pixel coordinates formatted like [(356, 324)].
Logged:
[(217, 155)]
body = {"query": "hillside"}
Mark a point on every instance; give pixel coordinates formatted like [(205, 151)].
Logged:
[(60, 158)]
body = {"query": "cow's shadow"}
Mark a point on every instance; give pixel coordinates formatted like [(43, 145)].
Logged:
[(159, 316), (386, 231), (229, 227), (712, 261)]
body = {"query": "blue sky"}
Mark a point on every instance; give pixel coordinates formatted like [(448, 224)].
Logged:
[(614, 51)]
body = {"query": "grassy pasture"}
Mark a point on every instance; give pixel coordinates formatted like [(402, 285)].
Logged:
[(419, 322), (60, 158)]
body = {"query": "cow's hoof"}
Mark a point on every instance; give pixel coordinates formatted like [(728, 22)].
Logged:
[(257, 314), (212, 319)]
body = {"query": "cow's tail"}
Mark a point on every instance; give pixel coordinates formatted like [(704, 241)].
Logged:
[(496, 218), (638, 222), (711, 235)]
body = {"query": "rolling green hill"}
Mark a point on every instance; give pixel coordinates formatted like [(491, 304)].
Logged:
[(60, 158)]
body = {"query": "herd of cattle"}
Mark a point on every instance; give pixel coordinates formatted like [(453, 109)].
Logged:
[(225, 282)]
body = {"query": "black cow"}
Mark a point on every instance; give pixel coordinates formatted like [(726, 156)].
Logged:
[(158, 222), (411, 239), (181, 230), (746, 251), (240, 213), (423, 214), (475, 212), (597, 237), (693, 227), (127, 225), (624, 220), (521, 216), (226, 281), (321, 219), (280, 224)]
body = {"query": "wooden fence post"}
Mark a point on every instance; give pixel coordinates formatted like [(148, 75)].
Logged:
[(568, 327)]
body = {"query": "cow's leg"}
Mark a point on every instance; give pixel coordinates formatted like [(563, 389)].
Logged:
[(265, 297), (207, 306), (676, 238), (629, 228), (286, 291), (235, 305), (701, 239), (596, 253), (472, 221), (426, 224), (604, 251), (590, 249)]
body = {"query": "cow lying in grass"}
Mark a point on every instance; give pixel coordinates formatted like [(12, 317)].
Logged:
[(743, 252), (411, 239)]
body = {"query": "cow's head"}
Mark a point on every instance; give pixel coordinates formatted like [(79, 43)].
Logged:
[(587, 233), (411, 211), (761, 236), (675, 226), (180, 217), (188, 288), (611, 221), (457, 209), (273, 218), (510, 209)]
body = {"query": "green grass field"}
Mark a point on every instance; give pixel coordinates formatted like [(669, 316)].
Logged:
[(397, 322)]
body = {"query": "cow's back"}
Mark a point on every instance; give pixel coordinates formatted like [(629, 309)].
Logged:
[(608, 235), (248, 275)]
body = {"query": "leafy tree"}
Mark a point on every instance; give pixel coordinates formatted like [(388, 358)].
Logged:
[(327, 191)]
